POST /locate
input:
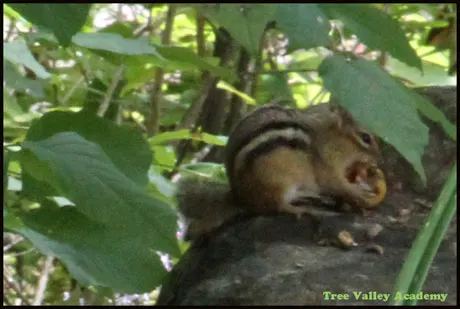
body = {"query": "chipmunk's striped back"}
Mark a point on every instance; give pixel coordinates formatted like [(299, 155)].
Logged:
[(277, 159), (264, 130)]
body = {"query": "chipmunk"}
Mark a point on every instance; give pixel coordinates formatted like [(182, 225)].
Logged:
[(278, 157)]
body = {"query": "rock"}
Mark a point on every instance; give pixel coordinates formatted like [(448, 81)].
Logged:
[(276, 260)]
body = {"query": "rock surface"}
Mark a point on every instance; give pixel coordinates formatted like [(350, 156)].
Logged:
[(275, 260)]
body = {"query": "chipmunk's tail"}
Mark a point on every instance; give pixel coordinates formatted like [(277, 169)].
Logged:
[(205, 204)]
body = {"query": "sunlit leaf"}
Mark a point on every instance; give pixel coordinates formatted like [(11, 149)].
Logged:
[(227, 87), (13, 79), (114, 42), (374, 28), (18, 52)]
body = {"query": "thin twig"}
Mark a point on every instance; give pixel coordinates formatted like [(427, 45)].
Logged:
[(13, 285), (14, 242), (190, 118), (338, 27), (155, 23), (43, 281), (108, 95), (72, 90), (144, 28), (95, 91), (271, 53), (257, 65), (154, 119), (263, 72), (236, 104), (200, 21), (318, 96), (20, 253), (382, 60), (193, 112), (153, 124)]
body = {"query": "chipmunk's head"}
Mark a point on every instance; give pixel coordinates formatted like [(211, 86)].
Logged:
[(353, 159)]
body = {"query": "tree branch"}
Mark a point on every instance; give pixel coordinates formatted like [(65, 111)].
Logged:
[(108, 95), (200, 42), (10, 283), (193, 112), (154, 119), (144, 28), (257, 65), (43, 281)]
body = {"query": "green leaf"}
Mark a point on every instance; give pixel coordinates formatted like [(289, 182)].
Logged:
[(34, 170), (115, 43), (67, 19), (94, 98), (432, 112), (273, 86), (10, 221), (164, 155), (304, 24), (126, 148), (227, 87), (141, 69), (94, 253), (11, 107), (165, 137), (103, 193), (433, 74), (206, 169), (6, 162), (245, 23), (44, 37), (219, 140), (305, 61), (170, 136), (376, 29), (380, 103), (177, 55), (13, 131), (125, 29), (64, 20), (15, 80), (12, 14), (18, 52), (162, 184)]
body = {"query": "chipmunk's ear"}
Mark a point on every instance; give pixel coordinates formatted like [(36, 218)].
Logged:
[(345, 122), (342, 116)]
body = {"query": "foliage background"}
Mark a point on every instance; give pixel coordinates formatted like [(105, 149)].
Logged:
[(107, 105)]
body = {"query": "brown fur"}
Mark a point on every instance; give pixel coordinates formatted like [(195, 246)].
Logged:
[(332, 147), (205, 204), (263, 189)]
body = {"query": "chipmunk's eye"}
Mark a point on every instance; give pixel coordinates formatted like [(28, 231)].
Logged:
[(365, 137)]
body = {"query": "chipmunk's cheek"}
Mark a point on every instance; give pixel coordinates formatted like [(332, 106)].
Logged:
[(370, 181)]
